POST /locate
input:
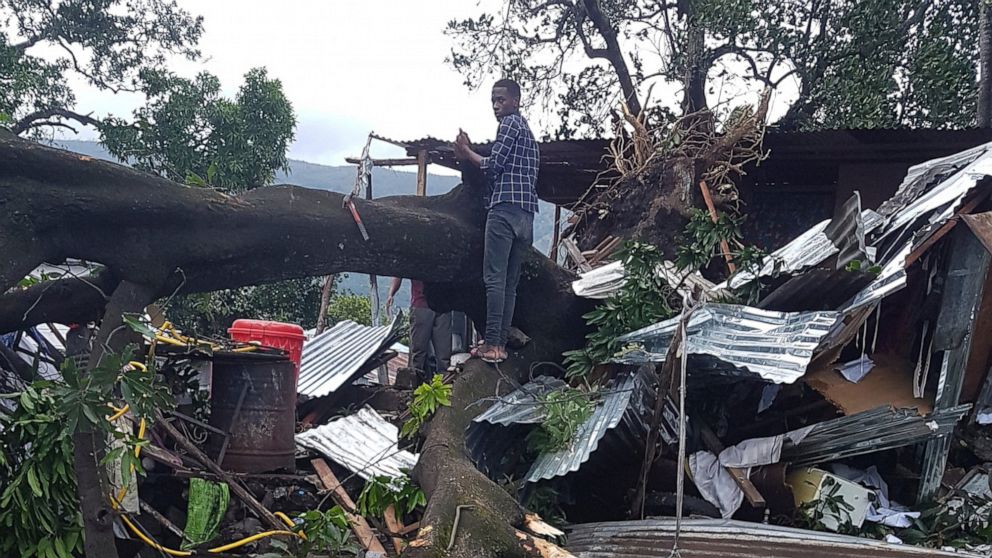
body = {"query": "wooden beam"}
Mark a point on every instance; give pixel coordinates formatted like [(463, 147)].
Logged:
[(402, 162), (724, 245), (358, 524), (740, 475), (422, 161)]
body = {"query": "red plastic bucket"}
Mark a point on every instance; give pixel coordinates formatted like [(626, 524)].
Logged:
[(288, 337)]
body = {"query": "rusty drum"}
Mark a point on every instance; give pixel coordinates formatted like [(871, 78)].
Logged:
[(254, 400)]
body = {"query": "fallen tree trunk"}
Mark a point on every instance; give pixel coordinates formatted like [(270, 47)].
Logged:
[(60, 205)]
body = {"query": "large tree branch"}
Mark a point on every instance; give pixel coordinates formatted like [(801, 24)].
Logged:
[(32, 120), (613, 53)]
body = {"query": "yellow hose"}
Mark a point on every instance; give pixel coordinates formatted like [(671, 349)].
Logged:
[(115, 503)]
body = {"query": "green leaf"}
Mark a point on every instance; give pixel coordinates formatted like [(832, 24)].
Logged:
[(33, 482), (137, 323)]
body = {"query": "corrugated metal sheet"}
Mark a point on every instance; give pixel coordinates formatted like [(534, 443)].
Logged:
[(719, 538), (363, 443), (777, 346), (523, 405), (619, 423), (845, 233), (334, 357), (871, 431), (606, 416)]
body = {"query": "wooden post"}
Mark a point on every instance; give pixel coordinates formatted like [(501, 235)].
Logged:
[(724, 245), (422, 172), (358, 524), (325, 300), (553, 254)]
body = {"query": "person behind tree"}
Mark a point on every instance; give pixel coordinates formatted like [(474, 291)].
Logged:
[(427, 328), (511, 170)]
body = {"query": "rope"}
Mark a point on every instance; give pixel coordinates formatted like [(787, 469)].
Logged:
[(687, 310)]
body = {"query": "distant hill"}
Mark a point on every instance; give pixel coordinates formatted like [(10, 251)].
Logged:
[(385, 182)]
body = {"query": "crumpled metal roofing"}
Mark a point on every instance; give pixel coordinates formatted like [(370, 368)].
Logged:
[(334, 357), (845, 233), (725, 538), (869, 431), (607, 279), (777, 346), (622, 413), (363, 443)]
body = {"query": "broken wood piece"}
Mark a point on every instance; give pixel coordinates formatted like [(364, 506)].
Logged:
[(162, 456), (241, 492), (537, 526), (714, 444), (606, 251), (358, 524), (541, 547), (146, 508), (395, 526), (724, 245), (573, 252), (409, 528)]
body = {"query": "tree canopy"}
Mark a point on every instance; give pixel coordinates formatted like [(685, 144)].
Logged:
[(848, 63), (188, 132), (108, 42)]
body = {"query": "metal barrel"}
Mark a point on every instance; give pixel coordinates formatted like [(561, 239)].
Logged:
[(254, 400)]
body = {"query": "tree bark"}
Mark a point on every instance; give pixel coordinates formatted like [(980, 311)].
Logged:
[(89, 444), (144, 228)]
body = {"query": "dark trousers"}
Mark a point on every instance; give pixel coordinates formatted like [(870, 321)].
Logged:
[(509, 235), (428, 328)]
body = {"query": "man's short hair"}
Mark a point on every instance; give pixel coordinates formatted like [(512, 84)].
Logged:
[(510, 85)]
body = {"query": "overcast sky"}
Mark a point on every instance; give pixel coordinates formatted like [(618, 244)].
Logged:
[(347, 66), (350, 67)]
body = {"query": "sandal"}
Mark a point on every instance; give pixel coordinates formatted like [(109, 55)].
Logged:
[(489, 353)]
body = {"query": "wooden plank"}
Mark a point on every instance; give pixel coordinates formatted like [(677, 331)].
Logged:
[(576, 255), (395, 526), (238, 490), (358, 524), (422, 172), (740, 475), (724, 245), (404, 162)]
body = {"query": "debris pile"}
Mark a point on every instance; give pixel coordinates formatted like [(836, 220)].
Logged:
[(848, 394)]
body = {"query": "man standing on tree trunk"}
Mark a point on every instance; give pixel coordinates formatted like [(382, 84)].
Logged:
[(511, 170)]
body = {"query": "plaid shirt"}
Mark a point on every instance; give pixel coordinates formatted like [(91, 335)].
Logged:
[(512, 165)]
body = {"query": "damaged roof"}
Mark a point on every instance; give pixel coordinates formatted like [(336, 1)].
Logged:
[(730, 339), (622, 413), (336, 356)]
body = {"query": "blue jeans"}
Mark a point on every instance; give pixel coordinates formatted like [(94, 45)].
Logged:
[(509, 235)]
